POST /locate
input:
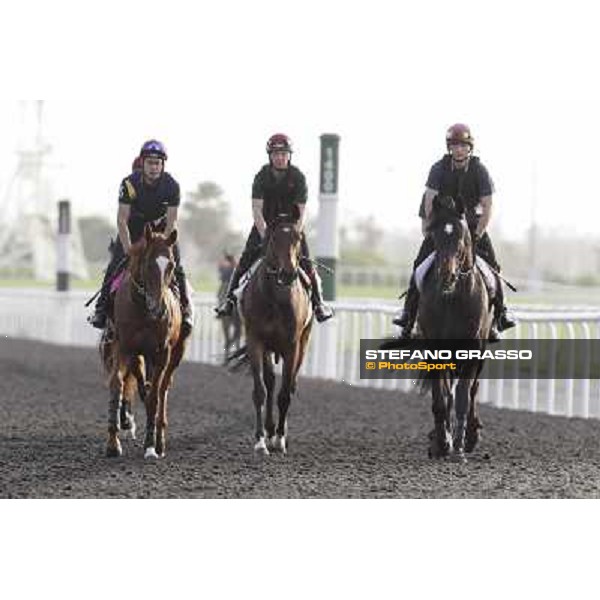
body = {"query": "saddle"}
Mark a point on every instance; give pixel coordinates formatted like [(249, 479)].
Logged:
[(488, 274)]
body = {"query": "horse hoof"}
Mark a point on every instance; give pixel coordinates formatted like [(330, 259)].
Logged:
[(114, 451), (279, 444), (150, 453), (459, 457), (260, 448)]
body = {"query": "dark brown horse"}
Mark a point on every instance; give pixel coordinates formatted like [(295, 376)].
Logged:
[(454, 305), (278, 317), (145, 340)]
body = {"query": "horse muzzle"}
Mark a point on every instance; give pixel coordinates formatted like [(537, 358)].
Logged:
[(155, 311)]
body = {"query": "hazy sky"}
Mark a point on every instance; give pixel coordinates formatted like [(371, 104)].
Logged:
[(214, 81)]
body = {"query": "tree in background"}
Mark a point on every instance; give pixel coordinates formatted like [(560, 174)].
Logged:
[(205, 225), (96, 233), (360, 245)]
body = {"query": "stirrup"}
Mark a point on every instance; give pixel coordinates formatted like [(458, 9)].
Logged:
[(494, 336), (322, 312), (187, 319), (225, 309), (98, 319), (405, 332), (402, 319), (506, 321)]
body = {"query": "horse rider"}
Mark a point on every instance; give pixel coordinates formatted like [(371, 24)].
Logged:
[(459, 174), (278, 188), (148, 195)]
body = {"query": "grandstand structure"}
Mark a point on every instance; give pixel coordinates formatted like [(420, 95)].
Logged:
[(28, 231)]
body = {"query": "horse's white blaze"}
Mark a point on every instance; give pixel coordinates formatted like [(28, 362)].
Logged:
[(286, 229), (162, 262), (448, 228), (150, 453)]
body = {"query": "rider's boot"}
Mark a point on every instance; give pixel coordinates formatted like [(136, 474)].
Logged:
[(187, 308), (225, 309), (503, 317), (323, 312), (409, 312), (100, 315)]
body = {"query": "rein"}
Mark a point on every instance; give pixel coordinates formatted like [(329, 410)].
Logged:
[(282, 277)]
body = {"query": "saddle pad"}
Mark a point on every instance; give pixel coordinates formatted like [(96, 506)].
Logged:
[(488, 275), (482, 265), (116, 282), (245, 279), (422, 270)]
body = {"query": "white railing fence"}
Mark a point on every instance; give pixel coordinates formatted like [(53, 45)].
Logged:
[(60, 318)]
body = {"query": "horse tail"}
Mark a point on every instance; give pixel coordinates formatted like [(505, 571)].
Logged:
[(130, 387), (426, 379)]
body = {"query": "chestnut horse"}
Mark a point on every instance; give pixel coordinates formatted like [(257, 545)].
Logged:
[(278, 317), (144, 339)]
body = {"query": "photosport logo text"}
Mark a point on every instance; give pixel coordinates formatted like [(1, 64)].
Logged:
[(509, 359)]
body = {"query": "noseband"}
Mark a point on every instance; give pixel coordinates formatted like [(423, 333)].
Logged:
[(282, 277), (459, 274)]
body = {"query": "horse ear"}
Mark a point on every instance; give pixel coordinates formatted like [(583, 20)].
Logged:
[(172, 237), (148, 232), (435, 203)]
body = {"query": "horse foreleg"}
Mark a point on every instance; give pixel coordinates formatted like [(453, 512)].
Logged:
[(256, 353), (113, 445), (269, 379), (161, 383), (440, 443), (473, 421), (461, 410), (284, 398), (151, 405), (175, 358)]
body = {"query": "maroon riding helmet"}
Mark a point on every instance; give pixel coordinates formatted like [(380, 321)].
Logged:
[(459, 133)]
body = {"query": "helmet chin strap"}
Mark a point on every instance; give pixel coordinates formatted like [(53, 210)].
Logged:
[(462, 162)]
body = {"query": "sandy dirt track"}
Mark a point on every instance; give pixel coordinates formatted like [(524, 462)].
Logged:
[(344, 441)]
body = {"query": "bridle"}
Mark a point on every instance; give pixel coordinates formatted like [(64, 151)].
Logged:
[(461, 273), (140, 296), (282, 277)]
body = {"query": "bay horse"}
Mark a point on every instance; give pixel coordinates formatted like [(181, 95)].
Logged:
[(278, 317), (454, 305), (145, 342)]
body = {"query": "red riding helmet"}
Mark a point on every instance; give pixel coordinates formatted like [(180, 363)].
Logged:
[(279, 141), (459, 133)]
